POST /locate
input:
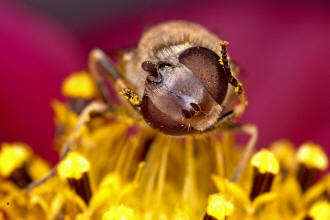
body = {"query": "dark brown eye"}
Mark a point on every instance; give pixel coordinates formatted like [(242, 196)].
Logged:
[(159, 120), (204, 63)]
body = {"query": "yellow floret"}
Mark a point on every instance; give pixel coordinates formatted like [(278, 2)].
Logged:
[(73, 166), (79, 85), (313, 156), (320, 211), (12, 156), (218, 207), (265, 161), (119, 213)]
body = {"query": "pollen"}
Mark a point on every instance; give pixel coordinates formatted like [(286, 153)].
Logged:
[(120, 212), (218, 207), (73, 166), (12, 156), (265, 162), (312, 156), (131, 96), (223, 43), (79, 85), (320, 211)]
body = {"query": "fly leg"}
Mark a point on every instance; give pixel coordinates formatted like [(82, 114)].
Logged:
[(251, 130), (103, 70), (94, 107)]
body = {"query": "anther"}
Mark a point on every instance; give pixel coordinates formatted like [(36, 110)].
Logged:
[(13, 163), (312, 160), (74, 168), (79, 85), (284, 152), (119, 212), (218, 208), (319, 211), (80, 89), (265, 168)]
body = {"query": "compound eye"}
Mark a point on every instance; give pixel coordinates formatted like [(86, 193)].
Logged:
[(204, 63), (161, 121)]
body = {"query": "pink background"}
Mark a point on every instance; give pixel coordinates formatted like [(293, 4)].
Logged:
[(284, 51)]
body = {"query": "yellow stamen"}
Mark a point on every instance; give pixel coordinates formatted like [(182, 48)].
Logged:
[(312, 156), (284, 152), (119, 213), (265, 162), (73, 166), (12, 156), (79, 85), (218, 207), (180, 215), (38, 168), (320, 211)]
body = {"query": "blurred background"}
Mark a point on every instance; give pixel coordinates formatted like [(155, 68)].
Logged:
[(282, 46)]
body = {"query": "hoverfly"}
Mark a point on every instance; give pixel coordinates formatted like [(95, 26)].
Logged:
[(179, 79)]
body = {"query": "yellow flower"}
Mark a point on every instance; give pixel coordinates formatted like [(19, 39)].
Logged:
[(120, 168)]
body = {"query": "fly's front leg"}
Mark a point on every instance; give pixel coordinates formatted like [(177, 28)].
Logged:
[(94, 107), (102, 69), (251, 130)]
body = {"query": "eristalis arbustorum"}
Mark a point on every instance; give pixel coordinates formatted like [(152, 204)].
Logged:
[(179, 78)]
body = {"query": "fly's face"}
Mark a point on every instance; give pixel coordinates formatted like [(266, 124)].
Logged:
[(184, 89)]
